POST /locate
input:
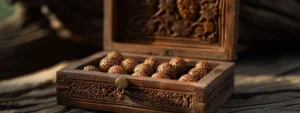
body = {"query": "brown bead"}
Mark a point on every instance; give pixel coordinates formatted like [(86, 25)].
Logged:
[(116, 69), (106, 63), (179, 64), (129, 65), (160, 75), (90, 68), (152, 62), (139, 74), (146, 68), (198, 73), (116, 55), (204, 65), (188, 78), (167, 69)]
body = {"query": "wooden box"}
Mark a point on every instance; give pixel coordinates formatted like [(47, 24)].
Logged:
[(195, 30)]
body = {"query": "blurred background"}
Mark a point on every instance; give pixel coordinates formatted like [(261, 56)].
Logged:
[(36, 34)]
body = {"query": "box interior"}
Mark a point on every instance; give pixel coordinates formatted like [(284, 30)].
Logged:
[(157, 26), (190, 64)]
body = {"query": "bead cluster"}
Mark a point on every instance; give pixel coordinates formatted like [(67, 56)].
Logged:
[(201, 69), (114, 63)]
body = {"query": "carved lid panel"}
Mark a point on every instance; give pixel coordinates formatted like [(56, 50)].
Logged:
[(186, 28)]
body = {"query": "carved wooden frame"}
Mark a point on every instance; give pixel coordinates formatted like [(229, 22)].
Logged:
[(226, 50)]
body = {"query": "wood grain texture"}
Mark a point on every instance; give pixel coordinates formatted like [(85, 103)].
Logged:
[(30, 81), (272, 88)]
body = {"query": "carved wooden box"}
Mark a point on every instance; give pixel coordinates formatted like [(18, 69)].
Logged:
[(191, 29)]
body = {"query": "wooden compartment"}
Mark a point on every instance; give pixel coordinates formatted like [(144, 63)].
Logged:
[(147, 28), (77, 88)]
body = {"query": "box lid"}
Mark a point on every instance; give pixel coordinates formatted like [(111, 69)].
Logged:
[(204, 29)]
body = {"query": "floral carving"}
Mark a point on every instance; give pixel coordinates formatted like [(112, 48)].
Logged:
[(93, 90), (175, 19), (166, 5), (164, 99), (209, 11), (188, 9), (142, 96), (199, 31), (209, 27), (181, 28)]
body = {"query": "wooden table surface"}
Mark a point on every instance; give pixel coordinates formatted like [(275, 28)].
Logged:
[(268, 84)]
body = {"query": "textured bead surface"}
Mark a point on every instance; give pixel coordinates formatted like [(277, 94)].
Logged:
[(106, 63), (90, 68), (188, 78), (160, 75), (146, 68), (116, 69), (198, 73), (179, 64), (152, 62), (204, 65), (129, 64), (116, 55), (140, 74), (167, 69)]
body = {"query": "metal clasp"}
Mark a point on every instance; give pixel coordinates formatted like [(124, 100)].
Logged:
[(121, 84)]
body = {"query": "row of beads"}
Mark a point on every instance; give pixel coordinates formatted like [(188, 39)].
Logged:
[(114, 63)]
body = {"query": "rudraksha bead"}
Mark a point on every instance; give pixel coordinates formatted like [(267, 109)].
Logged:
[(129, 64), (116, 69), (146, 68), (160, 75)]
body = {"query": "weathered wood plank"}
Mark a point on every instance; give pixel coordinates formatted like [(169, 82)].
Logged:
[(37, 107), (266, 85), (30, 81), (84, 111), (54, 109), (288, 101), (38, 93), (28, 102)]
